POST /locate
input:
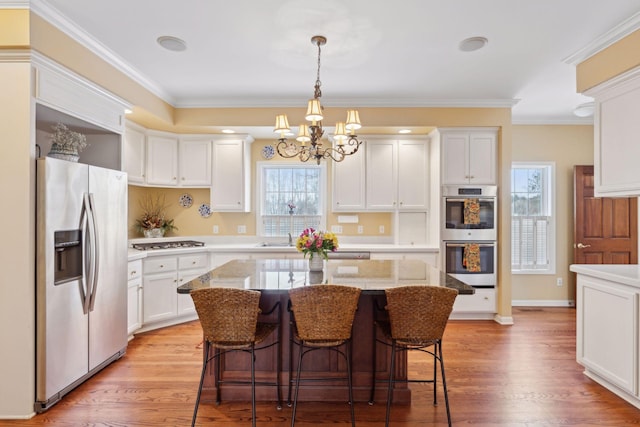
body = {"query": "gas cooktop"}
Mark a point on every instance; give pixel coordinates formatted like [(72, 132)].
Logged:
[(167, 245)]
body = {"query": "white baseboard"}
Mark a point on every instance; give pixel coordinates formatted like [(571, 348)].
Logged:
[(543, 303)]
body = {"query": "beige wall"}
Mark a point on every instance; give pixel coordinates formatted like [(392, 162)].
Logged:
[(608, 63), (17, 287), (567, 146)]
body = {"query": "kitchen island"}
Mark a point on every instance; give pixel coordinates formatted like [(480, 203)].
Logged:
[(608, 336), (274, 277)]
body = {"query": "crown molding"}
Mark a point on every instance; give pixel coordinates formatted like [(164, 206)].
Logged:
[(15, 55), (353, 102), (14, 4), (546, 120), (612, 36), (61, 22)]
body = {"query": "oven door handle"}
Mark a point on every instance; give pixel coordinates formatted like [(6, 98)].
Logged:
[(480, 199), (462, 245)]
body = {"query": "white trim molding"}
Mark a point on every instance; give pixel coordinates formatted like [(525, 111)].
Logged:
[(543, 303), (15, 55)]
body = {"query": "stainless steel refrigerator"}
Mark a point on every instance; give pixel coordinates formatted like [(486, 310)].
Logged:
[(81, 289)]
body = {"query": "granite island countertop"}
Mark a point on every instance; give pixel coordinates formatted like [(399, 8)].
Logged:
[(282, 274)]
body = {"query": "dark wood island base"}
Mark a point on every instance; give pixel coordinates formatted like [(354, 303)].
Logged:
[(273, 278)]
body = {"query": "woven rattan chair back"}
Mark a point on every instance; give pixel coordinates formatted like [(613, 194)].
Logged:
[(324, 312), (228, 316), (419, 313)]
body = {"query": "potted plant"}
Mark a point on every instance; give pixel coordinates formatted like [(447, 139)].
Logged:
[(153, 223), (66, 144)]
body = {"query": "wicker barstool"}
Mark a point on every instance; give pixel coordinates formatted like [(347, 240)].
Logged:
[(229, 320), (322, 319), (418, 316)]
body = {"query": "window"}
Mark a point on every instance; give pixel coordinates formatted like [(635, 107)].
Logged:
[(532, 218), (283, 185)]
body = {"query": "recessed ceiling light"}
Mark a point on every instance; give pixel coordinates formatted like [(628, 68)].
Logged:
[(584, 110), (473, 43), (128, 111), (228, 131), (172, 43), (404, 131)]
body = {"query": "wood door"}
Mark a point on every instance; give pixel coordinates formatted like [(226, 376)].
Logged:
[(605, 228)]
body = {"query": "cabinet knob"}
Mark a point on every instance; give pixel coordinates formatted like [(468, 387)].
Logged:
[(193, 262), (161, 265), (174, 178), (183, 178), (133, 272), (239, 203)]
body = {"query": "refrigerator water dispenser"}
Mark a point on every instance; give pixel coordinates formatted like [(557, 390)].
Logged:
[(68, 256)]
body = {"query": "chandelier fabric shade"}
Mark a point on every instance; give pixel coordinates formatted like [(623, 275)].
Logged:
[(308, 144)]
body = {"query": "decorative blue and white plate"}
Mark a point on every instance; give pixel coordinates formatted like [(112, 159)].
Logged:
[(205, 210), (268, 152), (186, 200)]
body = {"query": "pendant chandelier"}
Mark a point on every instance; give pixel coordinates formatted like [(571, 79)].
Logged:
[(309, 136)]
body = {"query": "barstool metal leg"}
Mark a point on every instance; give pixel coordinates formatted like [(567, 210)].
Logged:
[(253, 386), (444, 383), (204, 368), (351, 402), (390, 385), (297, 388)]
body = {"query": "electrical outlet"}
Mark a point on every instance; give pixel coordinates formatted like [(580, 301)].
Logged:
[(381, 229), (216, 230), (336, 229), (360, 229), (242, 229), (559, 281)]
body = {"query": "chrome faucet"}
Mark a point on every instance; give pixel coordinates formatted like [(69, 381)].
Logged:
[(290, 240)]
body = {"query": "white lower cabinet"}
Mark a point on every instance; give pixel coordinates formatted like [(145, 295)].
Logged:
[(162, 305), (481, 305), (607, 334), (134, 296)]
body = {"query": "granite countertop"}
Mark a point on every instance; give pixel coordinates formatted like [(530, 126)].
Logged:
[(283, 274)]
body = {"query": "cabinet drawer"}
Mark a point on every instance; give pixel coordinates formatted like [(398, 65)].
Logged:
[(483, 301), (160, 264), (134, 269), (186, 262)]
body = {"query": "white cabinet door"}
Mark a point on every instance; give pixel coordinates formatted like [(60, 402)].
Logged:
[(455, 162), (413, 173), (162, 160), (195, 162), (349, 183), (134, 162), (159, 295), (230, 179), (381, 175), (483, 301), (469, 157), (607, 331), (134, 307), (482, 158), (185, 303)]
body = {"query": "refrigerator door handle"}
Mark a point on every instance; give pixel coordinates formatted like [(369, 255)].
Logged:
[(95, 261), (86, 267)]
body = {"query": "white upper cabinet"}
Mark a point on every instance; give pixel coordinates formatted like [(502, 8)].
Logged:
[(616, 128), (154, 158), (397, 174), (348, 182), (134, 157), (468, 156), (230, 186), (195, 161), (162, 160)]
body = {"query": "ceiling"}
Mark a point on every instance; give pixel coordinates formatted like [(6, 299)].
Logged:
[(257, 53)]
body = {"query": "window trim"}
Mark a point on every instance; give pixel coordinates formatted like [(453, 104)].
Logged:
[(551, 228), (259, 193)]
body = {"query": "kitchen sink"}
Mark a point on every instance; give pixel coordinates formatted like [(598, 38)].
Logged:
[(274, 244)]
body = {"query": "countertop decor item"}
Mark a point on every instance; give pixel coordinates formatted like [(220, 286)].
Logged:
[(153, 223), (316, 244), (66, 144), (345, 144)]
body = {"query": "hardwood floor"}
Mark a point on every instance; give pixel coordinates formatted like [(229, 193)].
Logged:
[(520, 375)]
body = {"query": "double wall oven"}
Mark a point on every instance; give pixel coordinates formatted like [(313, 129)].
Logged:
[(469, 233)]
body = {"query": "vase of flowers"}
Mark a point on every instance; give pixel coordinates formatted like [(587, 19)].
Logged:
[(66, 144), (153, 223), (317, 244)]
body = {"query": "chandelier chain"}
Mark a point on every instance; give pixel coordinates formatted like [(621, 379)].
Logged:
[(317, 93)]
